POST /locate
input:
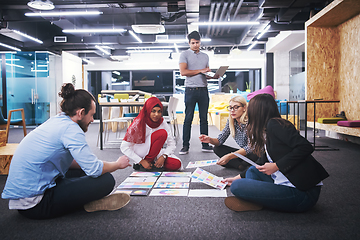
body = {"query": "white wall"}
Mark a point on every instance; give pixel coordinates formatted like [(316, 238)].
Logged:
[(71, 67), (281, 45)]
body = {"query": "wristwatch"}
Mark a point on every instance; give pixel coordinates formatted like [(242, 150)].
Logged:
[(165, 156)]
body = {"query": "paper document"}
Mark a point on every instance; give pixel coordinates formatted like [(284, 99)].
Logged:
[(245, 159)]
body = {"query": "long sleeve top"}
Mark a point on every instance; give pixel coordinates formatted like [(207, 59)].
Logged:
[(137, 152), (240, 138)]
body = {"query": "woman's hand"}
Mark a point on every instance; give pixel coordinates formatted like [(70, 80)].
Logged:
[(230, 180), (204, 138), (224, 159), (268, 168), (146, 164), (160, 162)]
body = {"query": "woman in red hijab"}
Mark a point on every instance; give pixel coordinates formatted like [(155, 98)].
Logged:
[(146, 136)]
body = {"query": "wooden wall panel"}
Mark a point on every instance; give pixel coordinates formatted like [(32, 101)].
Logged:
[(349, 68), (323, 55)]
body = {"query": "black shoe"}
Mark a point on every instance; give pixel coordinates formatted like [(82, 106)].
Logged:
[(136, 166), (184, 150), (207, 149)]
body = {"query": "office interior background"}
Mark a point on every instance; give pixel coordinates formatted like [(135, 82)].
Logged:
[(125, 42)]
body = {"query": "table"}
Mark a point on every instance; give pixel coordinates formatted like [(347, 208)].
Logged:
[(6, 154), (315, 101), (117, 104)]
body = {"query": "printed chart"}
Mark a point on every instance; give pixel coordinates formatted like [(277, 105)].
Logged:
[(208, 178), (204, 163)]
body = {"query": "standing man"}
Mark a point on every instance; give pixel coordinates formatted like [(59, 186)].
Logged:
[(192, 64), (38, 185)]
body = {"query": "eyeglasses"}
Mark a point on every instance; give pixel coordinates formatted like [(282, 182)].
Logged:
[(235, 107)]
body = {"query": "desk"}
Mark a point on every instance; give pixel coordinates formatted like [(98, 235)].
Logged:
[(118, 104), (6, 154), (319, 148)]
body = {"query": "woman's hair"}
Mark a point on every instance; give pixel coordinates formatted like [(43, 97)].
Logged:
[(260, 110), (243, 119), (74, 99)]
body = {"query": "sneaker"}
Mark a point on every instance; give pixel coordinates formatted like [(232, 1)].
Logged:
[(136, 166), (184, 150), (110, 203), (207, 149), (239, 205)]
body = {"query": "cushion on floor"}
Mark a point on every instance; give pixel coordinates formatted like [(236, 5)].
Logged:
[(354, 123), (330, 120)]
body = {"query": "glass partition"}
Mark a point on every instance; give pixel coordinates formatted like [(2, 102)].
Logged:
[(29, 86)]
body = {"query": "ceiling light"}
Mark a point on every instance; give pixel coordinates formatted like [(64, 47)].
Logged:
[(149, 51), (135, 36), (10, 47), (27, 36), (180, 40), (57, 14), (148, 28), (88, 61), (103, 50), (176, 48), (263, 32), (99, 30), (224, 23), (41, 4), (252, 45)]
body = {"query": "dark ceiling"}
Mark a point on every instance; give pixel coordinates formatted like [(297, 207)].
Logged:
[(175, 16)]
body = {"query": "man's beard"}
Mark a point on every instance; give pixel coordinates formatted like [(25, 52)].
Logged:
[(83, 125)]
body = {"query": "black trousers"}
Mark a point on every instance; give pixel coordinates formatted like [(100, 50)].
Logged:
[(70, 194), (236, 163)]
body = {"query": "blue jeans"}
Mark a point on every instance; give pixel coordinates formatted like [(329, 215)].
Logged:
[(201, 97), (260, 188), (69, 195)]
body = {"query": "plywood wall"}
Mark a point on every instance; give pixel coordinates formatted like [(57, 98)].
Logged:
[(333, 68), (349, 68)]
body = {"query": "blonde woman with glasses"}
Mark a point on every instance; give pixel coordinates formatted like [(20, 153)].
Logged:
[(236, 127)]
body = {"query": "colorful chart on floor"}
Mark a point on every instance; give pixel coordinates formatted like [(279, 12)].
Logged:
[(136, 185), (202, 163), (141, 179), (207, 193), (176, 174), (208, 178), (174, 179), (134, 192), (169, 192), (171, 185), (145, 174)]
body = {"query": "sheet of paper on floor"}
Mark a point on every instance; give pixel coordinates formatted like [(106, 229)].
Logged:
[(176, 174), (172, 185), (134, 192), (136, 185), (169, 192), (202, 163), (208, 178), (174, 179), (145, 174), (207, 193), (140, 179)]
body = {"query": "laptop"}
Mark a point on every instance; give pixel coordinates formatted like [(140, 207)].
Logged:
[(220, 72)]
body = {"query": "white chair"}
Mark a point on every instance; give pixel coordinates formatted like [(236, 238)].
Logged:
[(117, 121), (172, 119)]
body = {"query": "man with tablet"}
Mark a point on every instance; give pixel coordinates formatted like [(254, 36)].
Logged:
[(194, 64)]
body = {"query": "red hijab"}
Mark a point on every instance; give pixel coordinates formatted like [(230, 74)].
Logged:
[(136, 132)]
